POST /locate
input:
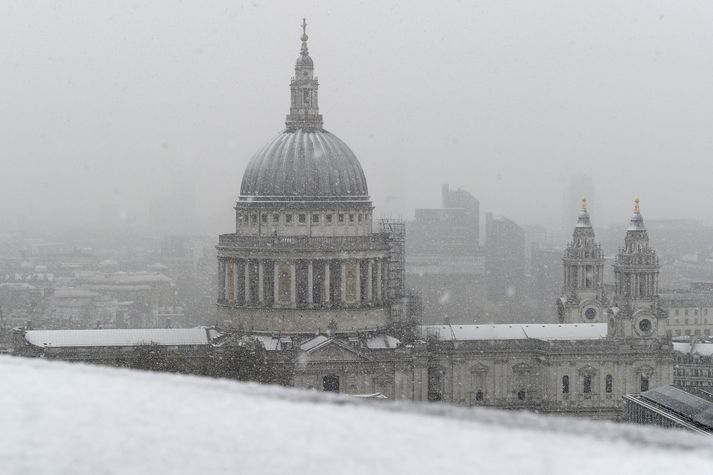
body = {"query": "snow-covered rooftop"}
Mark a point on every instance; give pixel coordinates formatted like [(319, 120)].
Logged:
[(703, 349), (314, 342), (538, 331), (382, 342), (123, 337), (72, 418)]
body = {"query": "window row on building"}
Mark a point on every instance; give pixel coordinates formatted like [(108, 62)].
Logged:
[(282, 218), (689, 332), (690, 311)]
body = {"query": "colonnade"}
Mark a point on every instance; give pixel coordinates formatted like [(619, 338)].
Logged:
[(637, 285), (583, 276), (302, 282)]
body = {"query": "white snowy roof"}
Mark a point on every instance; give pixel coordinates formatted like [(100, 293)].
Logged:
[(544, 331), (314, 342), (703, 349), (270, 343), (141, 422), (110, 337), (381, 342)]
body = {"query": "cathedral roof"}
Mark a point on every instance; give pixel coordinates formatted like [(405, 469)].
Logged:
[(304, 162), (544, 331)]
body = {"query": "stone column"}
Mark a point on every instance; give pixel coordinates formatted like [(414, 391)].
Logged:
[(226, 280), (379, 286), (358, 282), (343, 283), (275, 285), (261, 282), (326, 297), (370, 281), (221, 279), (310, 283), (248, 297), (236, 281), (293, 285)]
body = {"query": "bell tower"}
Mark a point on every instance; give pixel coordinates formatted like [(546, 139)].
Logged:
[(636, 311), (583, 297)]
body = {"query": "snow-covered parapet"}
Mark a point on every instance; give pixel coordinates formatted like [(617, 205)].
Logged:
[(105, 420)]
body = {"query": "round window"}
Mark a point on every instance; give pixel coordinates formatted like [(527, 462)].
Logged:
[(645, 325), (590, 313)]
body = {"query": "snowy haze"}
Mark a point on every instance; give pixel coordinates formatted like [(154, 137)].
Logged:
[(128, 423), (117, 111)]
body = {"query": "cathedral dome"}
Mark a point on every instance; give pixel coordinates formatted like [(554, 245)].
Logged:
[(304, 164)]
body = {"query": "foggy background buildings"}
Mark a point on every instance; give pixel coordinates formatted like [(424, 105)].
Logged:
[(146, 116)]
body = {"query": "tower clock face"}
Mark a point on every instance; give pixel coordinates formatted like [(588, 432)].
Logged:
[(644, 325), (590, 313)]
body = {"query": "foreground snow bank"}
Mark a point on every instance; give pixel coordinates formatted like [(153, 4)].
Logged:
[(61, 418)]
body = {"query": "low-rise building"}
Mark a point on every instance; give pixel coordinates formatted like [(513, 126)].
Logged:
[(693, 364), (115, 347), (690, 312), (670, 406)]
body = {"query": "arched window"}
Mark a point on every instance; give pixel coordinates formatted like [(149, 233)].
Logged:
[(565, 384), (644, 383), (521, 394), (609, 383), (479, 395), (587, 384)]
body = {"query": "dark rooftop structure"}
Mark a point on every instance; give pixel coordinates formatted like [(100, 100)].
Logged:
[(672, 406)]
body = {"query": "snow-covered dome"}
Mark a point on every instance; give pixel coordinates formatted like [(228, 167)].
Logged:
[(305, 164)]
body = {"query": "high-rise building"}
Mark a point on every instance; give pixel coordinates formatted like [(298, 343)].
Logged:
[(445, 262), (504, 259)]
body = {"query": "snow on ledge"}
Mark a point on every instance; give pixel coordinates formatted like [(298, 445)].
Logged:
[(117, 337), (71, 418), (517, 331)]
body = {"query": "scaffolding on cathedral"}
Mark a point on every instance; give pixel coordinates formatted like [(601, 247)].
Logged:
[(396, 230)]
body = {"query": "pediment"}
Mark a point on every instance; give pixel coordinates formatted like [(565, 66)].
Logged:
[(332, 351)]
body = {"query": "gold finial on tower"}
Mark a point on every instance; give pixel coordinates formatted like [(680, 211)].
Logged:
[(584, 205), (637, 209), (304, 37)]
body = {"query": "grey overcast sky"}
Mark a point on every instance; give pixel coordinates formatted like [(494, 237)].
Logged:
[(112, 106)]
